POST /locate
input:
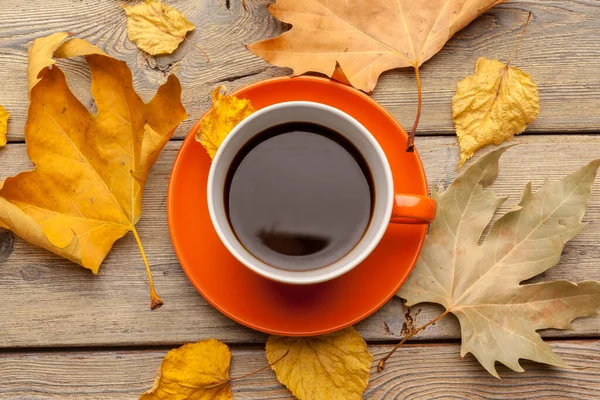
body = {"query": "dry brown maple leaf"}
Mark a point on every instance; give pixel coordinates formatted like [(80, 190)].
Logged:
[(86, 189), (365, 38), (481, 283)]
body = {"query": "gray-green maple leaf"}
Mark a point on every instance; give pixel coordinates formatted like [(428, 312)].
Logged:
[(481, 283)]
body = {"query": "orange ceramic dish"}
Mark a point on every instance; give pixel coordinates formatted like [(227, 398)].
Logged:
[(279, 308)]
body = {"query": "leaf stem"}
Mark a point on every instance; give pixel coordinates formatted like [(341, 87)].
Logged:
[(381, 364), (155, 301), (237, 378), (410, 146), (260, 370), (520, 38), (198, 47)]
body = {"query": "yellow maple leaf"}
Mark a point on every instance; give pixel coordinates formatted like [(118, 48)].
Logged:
[(4, 115), (492, 106), (194, 371), (333, 366), (77, 47), (226, 113), (156, 27), (86, 189), (45, 50), (41, 55)]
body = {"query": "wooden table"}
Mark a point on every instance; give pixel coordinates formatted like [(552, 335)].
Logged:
[(66, 334)]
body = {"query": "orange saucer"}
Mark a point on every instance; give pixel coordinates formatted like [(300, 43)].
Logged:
[(278, 308)]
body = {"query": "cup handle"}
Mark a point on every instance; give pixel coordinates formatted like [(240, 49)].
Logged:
[(413, 209)]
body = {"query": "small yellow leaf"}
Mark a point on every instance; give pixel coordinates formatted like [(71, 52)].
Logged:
[(492, 106), (194, 371), (226, 113), (156, 27), (4, 115), (333, 366)]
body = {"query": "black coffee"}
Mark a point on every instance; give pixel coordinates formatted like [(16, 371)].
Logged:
[(299, 196)]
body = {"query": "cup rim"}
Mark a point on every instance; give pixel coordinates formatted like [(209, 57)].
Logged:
[(305, 279)]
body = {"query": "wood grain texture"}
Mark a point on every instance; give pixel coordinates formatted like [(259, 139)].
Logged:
[(560, 50), (431, 371), (48, 301)]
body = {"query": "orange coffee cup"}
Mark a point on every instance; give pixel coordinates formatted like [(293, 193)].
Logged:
[(388, 205)]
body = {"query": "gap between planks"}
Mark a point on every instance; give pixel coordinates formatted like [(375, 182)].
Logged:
[(414, 372)]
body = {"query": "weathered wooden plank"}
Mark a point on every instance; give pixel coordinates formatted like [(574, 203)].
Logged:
[(430, 371), (46, 301), (560, 50)]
